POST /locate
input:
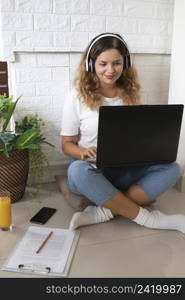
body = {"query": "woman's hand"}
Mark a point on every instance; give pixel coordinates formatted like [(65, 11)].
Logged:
[(70, 147), (88, 153)]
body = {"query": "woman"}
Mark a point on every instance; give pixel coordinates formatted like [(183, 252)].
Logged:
[(107, 77)]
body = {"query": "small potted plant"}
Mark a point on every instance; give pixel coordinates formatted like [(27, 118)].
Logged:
[(20, 149)]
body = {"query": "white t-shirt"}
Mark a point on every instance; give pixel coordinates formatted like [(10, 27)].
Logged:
[(77, 118)]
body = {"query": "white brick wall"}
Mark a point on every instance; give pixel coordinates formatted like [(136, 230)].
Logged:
[(68, 25), (43, 41)]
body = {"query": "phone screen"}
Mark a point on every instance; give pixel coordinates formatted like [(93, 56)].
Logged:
[(43, 215)]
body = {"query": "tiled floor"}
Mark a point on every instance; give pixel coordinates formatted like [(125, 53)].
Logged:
[(118, 248)]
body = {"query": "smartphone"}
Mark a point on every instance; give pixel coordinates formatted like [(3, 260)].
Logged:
[(43, 215)]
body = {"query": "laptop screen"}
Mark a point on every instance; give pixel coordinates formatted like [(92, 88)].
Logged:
[(138, 135)]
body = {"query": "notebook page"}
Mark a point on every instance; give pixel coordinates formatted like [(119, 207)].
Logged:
[(53, 255)]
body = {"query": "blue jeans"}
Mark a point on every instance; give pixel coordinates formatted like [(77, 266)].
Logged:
[(99, 185)]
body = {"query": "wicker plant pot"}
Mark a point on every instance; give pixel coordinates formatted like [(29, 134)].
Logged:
[(14, 173)]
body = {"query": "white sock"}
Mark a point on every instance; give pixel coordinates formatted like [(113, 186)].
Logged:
[(90, 215), (158, 220)]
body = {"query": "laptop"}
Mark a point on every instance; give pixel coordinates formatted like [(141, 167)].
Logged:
[(138, 135)]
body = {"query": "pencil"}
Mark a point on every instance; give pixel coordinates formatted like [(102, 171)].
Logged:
[(44, 242)]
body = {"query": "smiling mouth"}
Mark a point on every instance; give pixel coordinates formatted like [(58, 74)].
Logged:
[(109, 77)]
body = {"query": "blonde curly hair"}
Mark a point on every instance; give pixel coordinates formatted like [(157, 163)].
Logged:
[(87, 83)]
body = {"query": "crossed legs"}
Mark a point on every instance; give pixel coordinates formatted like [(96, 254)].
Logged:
[(126, 204)]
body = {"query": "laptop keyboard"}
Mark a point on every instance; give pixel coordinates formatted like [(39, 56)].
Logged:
[(91, 160)]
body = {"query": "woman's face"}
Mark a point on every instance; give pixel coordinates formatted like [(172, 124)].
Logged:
[(109, 67)]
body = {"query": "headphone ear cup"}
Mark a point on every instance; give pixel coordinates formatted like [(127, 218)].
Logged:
[(90, 65), (127, 62)]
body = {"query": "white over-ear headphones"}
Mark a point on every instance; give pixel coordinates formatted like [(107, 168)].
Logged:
[(89, 61)]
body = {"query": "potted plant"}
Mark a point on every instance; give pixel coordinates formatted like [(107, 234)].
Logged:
[(20, 149)]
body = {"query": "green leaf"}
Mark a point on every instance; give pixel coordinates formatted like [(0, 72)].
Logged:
[(49, 144), (26, 138), (10, 110), (6, 142), (33, 146)]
